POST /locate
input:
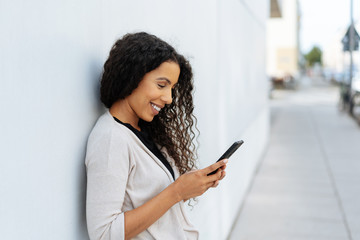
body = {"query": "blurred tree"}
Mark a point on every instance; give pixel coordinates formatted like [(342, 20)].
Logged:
[(314, 56)]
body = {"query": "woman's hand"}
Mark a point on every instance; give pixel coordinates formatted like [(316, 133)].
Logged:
[(195, 183), (187, 186)]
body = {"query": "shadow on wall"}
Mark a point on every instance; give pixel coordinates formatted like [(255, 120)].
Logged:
[(95, 73), (81, 198), (97, 108)]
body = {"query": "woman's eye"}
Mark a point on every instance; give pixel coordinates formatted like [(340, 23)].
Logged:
[(161, 85)]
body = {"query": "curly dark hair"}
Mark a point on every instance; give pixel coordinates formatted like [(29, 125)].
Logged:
[(130, 59)]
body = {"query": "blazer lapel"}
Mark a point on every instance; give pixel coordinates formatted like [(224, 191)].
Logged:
[(143, 147)]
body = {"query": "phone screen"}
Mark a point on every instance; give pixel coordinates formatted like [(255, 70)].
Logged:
[(229, 152)]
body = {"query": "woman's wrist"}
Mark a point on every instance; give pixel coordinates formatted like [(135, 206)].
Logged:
[(175, 192)]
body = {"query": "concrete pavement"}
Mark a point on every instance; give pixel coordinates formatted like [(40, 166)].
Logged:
[(307, 186)]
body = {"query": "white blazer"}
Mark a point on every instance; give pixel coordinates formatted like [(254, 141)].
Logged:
[(123, 174)]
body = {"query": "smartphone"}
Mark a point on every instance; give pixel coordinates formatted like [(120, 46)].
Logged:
[(229, 152)]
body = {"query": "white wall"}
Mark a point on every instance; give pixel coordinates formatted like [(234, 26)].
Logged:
[(51, 56)]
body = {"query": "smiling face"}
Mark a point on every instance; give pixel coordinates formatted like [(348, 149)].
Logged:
[(152, 93)]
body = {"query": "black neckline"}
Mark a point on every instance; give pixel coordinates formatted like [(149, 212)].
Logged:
[(146, 139)]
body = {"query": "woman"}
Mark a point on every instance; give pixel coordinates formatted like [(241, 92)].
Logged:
[(140, 156)]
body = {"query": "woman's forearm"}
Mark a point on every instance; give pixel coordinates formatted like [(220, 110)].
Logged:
[(188, 185), (139, 219)]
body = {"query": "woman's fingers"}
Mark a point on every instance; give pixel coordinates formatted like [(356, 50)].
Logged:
[(216, 176), (215, 184), (223, 173), (215, 179), (197, 182), (215, 166), (211, 184)]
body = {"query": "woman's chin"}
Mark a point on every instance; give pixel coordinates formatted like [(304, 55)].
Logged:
[(148, 118)]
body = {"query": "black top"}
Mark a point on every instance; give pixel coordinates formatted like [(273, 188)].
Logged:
[(145, 138)]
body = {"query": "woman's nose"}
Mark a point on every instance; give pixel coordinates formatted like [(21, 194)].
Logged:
[(167, 97)]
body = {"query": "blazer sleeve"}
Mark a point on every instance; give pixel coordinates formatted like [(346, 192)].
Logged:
[(108, 166)]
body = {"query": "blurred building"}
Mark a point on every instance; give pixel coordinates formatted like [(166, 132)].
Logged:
[(283, 42)]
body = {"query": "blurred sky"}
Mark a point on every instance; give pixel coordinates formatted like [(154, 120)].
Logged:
[(321, 19)]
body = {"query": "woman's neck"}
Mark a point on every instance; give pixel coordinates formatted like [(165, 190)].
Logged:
[(122, 111)]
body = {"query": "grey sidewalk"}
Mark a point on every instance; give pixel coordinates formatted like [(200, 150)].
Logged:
[(308, 185)]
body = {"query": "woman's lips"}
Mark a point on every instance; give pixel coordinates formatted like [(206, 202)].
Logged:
[(156, 108)]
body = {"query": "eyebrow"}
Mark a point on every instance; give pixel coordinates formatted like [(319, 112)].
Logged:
[(164, 78)]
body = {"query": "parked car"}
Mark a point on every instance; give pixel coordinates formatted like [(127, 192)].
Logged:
[(286, 81)]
